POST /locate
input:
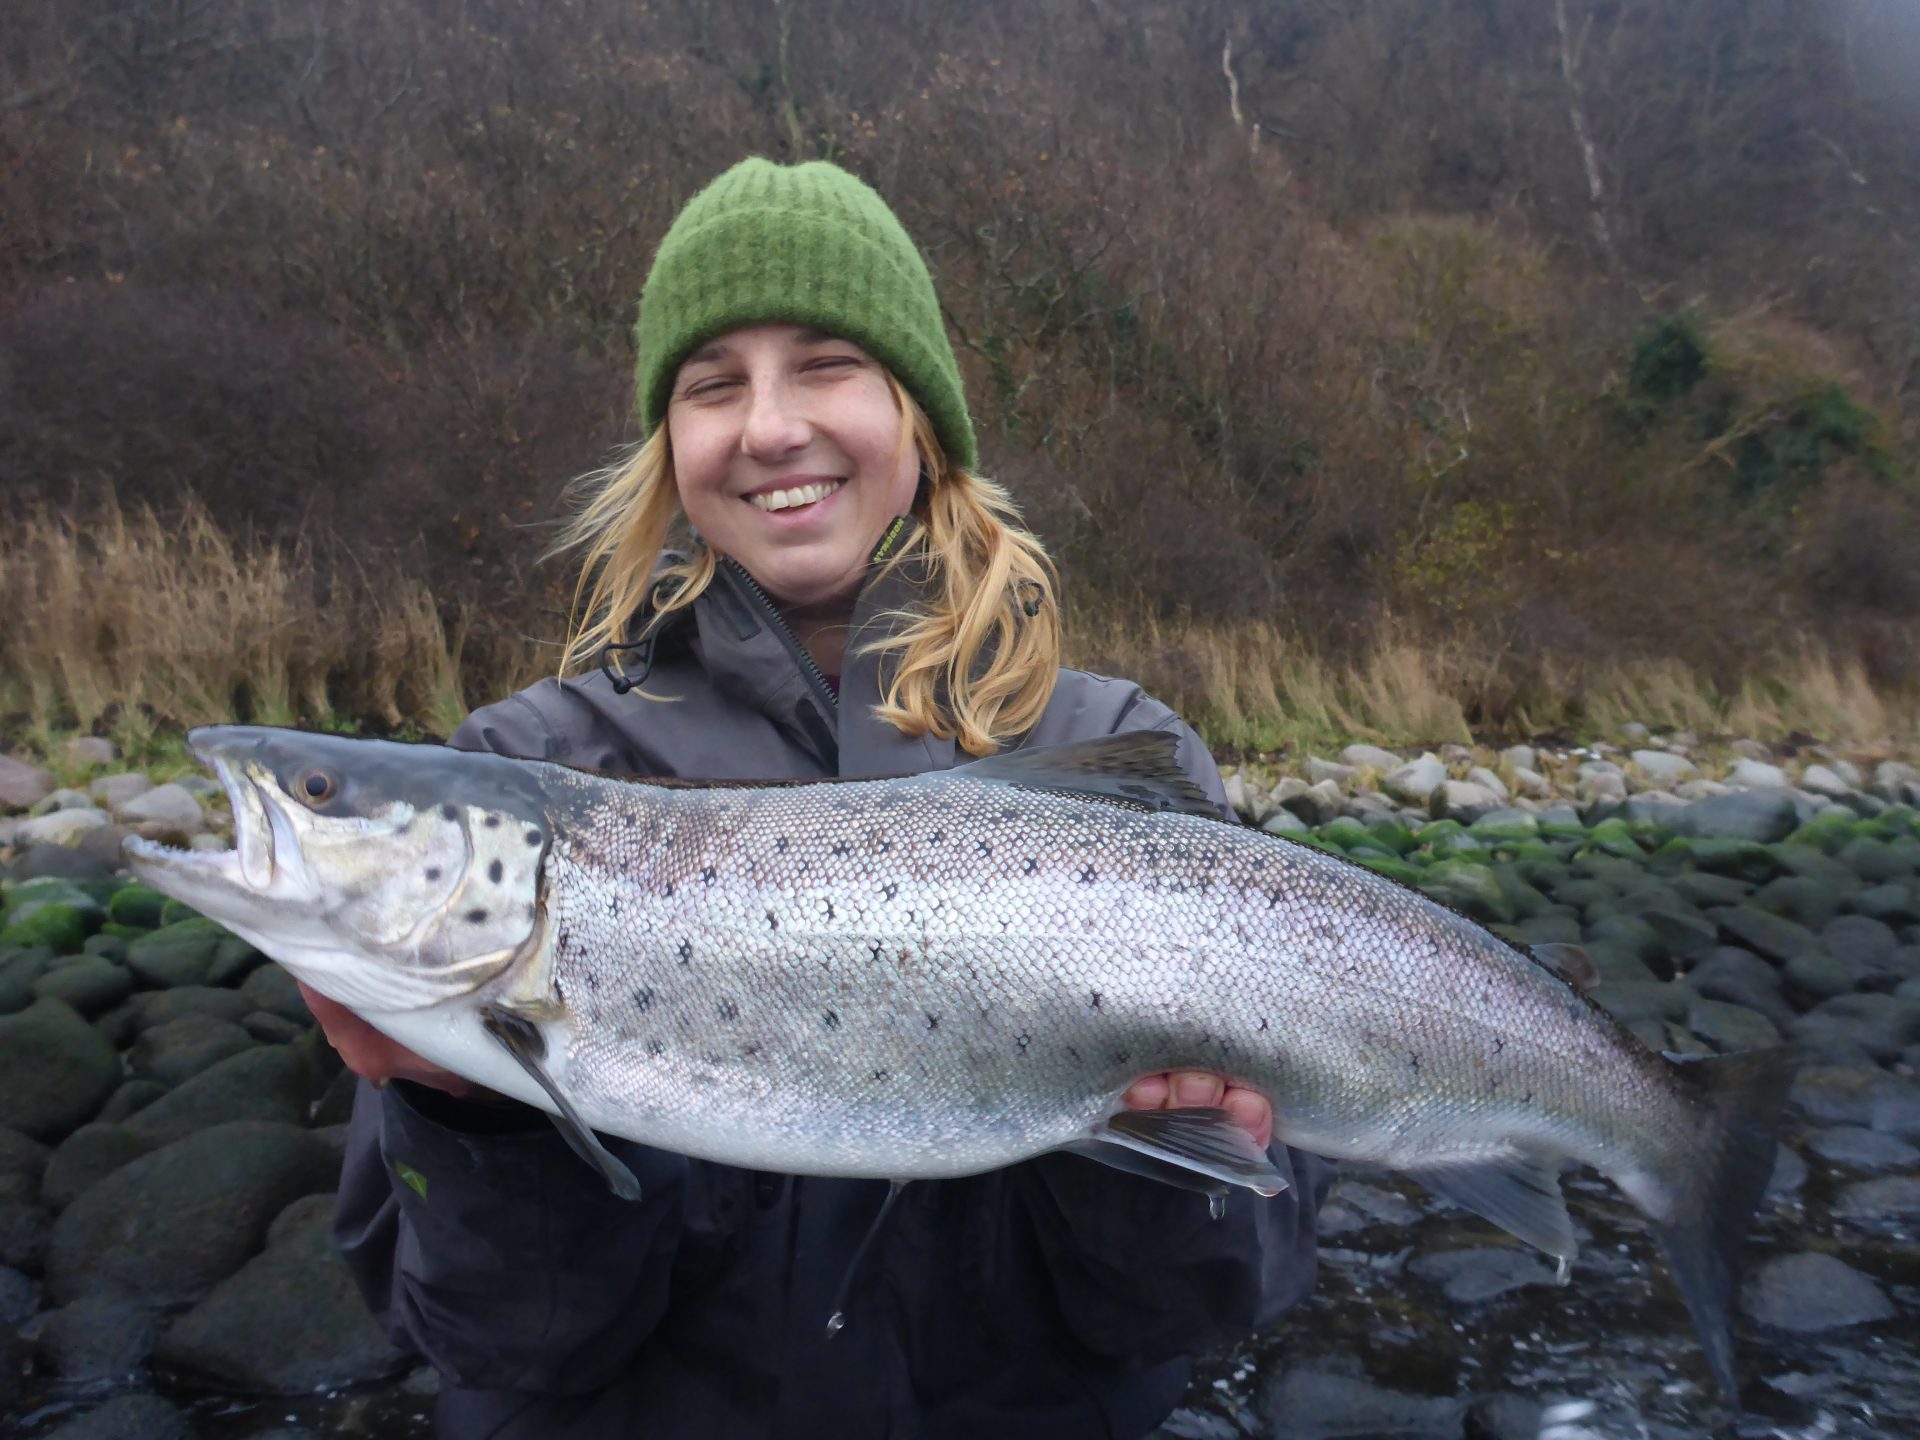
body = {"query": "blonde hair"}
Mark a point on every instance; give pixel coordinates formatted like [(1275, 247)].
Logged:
[(975, 662)]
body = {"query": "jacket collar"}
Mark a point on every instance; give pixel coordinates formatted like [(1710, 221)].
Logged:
[(750, 655)]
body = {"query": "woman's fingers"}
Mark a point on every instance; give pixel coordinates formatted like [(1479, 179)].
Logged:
[(366, 1052), (1201, 1089)]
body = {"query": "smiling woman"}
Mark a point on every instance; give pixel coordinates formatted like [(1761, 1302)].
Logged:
[(846, 597)]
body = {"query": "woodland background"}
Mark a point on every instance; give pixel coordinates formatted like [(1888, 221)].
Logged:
[(1385, 366)]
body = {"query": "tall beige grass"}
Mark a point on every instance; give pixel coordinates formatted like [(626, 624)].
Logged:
[(127, 619), (117, 612)]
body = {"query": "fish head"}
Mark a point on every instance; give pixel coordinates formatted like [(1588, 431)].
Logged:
[(389, 877)]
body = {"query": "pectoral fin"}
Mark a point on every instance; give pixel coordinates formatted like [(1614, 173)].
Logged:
[(1204, 1144), (1519, 1193), (521, 1038)]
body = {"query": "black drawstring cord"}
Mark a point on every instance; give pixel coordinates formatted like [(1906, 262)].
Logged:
[(616, 677)]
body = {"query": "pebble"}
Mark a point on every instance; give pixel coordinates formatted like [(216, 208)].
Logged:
[(1811, 1292), (1894, 1197), (1469, 1276), (1862, 1149)]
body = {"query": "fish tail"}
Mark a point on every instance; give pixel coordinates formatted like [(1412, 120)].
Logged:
[(1715, 1187)]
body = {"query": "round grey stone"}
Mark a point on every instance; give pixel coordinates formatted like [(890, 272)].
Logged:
[(128, 1417), (1730, 1028), (1881, 1025), (1472, 1275), (95, 1339), (1811, 1292), (1861, 1149), (180, 1049), (1896, 1197), (55, 1070), (90, 985), (23, 1161), (161, 1007)]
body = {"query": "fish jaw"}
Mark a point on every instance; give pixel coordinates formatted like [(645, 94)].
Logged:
[(339, 898)]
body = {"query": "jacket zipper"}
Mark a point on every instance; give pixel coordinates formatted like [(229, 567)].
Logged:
[(813, 673)]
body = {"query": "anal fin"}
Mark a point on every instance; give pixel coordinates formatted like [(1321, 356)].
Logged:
[(1519, 1193), (520, 1037), (1203, 1144)]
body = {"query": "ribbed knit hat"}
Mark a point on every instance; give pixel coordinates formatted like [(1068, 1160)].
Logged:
[(799, 245)]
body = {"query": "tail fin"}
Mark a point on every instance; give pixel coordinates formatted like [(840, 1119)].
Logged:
[(1714, 1201)]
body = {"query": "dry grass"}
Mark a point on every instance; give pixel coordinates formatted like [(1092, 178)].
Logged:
[(129, 623), (121, 614)]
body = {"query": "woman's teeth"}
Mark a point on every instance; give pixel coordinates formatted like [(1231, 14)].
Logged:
[(799, 495)]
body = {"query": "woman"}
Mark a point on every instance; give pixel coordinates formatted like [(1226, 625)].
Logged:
[(855, 601)]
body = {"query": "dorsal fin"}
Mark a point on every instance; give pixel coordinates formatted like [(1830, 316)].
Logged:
[(1140, 769), (1569, 962)]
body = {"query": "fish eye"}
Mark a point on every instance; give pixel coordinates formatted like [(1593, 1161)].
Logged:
[(316, 787)]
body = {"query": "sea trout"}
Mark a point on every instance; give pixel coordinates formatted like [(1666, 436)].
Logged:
[(943, 974)]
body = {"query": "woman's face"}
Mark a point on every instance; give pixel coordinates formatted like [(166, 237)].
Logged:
[(787, 447)]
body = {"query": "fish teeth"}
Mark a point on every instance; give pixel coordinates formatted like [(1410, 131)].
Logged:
[(799, 495)]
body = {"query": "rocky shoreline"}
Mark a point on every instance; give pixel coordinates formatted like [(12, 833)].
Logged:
[(170, 1120)]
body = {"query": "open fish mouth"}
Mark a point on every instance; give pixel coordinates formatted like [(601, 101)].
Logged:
[(264, 846)]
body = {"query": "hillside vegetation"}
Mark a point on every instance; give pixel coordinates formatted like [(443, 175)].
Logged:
[(1442, 364)]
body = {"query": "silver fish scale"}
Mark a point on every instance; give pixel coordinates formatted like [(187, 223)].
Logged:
[(939, 976)]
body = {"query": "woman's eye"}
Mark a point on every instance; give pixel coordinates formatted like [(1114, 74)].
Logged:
[(706, 389)]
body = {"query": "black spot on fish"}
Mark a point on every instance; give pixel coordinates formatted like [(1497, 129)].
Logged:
[(613, 904), (880, 1076), (563, 939), (709, 874), (534, 837), (476, 916), (643, 999), (492, 822), (433, 872), (884, 846), (686, 951), (1022, 1040), (1009, 814), (936, 837), (667, 892), (1527, 1099), (983, 847), (1088, 875), (729, 1010), (593, 980), (890, 890), (449, 812), (1093, 999), (1121, 1057), (1209, 860), (532, 910), (656, 1049), (780, 843), (1273, 898), (773, 921), (878, 950), (747, 1052), (1031, 865), (1263, 1025), (496, 871), (841, 847), (830, 1020), (1499, 1044), (1073, 1052), (933, 1021)]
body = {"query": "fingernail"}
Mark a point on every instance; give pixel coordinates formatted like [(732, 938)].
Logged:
[(1193, 1090)]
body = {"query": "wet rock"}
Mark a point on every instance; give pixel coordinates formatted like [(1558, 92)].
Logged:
[(1874, 861), (59, 827), (1730, 1028), (1818, 974), (114, 791), (1318, 770), (1414, 782), (1881, 1025), (22, 786), (1662, 769), (1861, 1149), (1741, 978), (19, 1297), (1351, 1205), (1481, 1273), (1812, 1292), (177, 954), (86, 1157), (1631, 1000), (169, 805), (1308, 1404), (1756, 775), (180, 1049), (1463, 800), (23, 1234), (95, 1339), (1280, 822), (131, 1098), (22, 1162), (162, 1007), (168, 1226), (55, 1070), (290, 1321), (90, 986), (1894, 902), (1861, 942), (1369, 757), (1853, 1095), (1796, 898), (1823, 780), (1897, 1197), (1789, 1174), (1771, 936), (128, 1417), (257, 1084), (68, 864), (1506, 1416), (1471, 889), (1760, 815)]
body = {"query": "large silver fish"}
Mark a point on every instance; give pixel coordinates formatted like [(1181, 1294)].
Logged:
[(947, 973)]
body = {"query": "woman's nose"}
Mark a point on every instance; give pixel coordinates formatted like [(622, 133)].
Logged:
[(775, 426)]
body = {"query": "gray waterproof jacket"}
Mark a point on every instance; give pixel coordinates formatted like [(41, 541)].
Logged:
[(1058, 1298)]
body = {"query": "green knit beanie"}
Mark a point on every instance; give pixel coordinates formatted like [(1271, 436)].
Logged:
[(799, 245)]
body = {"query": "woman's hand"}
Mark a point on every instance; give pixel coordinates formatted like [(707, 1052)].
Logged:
[(370, 1054), (1201, 1089)]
